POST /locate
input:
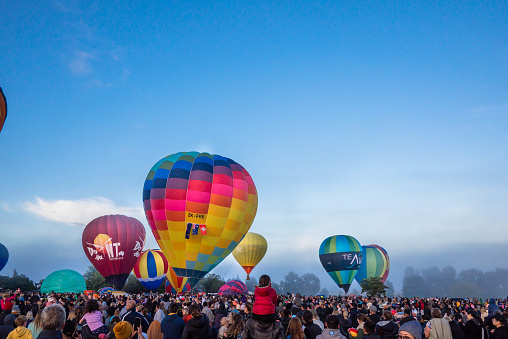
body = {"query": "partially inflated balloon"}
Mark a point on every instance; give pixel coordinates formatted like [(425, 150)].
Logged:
[(171, 289), (151, 268), (4, 256), (341, 256), (233, 287), (387, 258), (106, 290), (373, 264), (199, 207), (176, 284), (3, 109), (250, 251), (113, 244)]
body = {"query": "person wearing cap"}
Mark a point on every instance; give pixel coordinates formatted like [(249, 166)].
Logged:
[(332, 329), (410, 330), (124, 330), (501, 331), (373, 314), (20, 332), (8, 326)]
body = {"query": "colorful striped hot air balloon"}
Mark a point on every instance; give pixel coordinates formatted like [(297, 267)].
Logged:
[(179, 284), (250, 251), (341, 256), (387, 258), (233, 287), (373, 264), (3, 109), (199, 207), (106, 290), (151, 268)]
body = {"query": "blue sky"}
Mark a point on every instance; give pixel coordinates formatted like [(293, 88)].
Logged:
[(388, 122)]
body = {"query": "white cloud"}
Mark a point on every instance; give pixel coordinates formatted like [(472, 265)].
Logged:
[(5, 206), (81, 63), (79, 212)]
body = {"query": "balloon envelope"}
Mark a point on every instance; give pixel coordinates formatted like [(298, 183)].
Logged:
[(250, 251), (113, 244), (341, 256), (179, 284), (105, 290), (373, 264), (387, 258), (199, 207), (3, 109), (151, 268), (233, 287), (4, 256), (169, 288), (64, 281)]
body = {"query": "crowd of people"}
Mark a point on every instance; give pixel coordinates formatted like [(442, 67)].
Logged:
[(30, 315)]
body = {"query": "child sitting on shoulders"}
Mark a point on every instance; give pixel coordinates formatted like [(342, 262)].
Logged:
[(265, 299)]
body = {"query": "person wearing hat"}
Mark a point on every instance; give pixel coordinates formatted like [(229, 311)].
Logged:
[(123, 330), (373, 314), (410, 330), (8, 326), (316, 320), (20, 332), (501, 331)]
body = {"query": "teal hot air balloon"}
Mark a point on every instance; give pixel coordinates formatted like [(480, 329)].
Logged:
[(373, 265), (341, 256)]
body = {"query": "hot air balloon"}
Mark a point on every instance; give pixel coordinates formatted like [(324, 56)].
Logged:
[(113, 244), (64, 281), (4, 256), (387, 258), (341, 256), (179, 284), (250, 251), (373, 264), (199, 207), (3, 109), (106, 290), (151, 268), (233, 287)]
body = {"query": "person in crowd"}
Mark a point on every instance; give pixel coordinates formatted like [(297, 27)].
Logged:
[(206, 310), (437, 327), (93, 318), (373, 314), (68, 330), (361, 318), (235, 330), (247, 312), (285, 317), (501, 331), (407, 317), (8, 326), (20, 332), (172, 325), (295, 329), (369, 330), (316, 320), (198, 327), (472, 328), (6, 310), (52, 322), (154, 331), (332, 329), (159, 313), (387, 328), (311, 330), (131, 315), (219, 314), (224, 323), (410, 330), (35, 326), (265, 300), (124, 330)]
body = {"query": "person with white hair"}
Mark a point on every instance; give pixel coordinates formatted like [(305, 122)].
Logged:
[(52, 322)]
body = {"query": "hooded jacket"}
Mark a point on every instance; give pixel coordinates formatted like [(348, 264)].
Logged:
[(330, 333), (387, 329), (172, 326), (255, 329), (265, 300), (8, 326), (20, 333), (197, 328)]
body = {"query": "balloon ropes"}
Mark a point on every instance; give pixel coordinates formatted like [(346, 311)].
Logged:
[(113, 244), (250, 251), (199, 207)]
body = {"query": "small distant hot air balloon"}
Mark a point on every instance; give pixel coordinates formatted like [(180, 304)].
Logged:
[(106, 290), (113, 244), (199, 206), (233, 287), (387, 258), (179, 284), (341, 256), (4, 256), (250, 251), (3, 109), (151, 268), (373, 264)]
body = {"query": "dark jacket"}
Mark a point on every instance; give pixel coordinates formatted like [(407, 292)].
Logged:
[(172, 326), (131, 316), (197, 328), (472, 329), (8, 326), (371, 336), (3, 315), (312, 331), (387, 329), (457, 332), (50, 334), (501, 333), (285, 323), (263, 330), (406, 320), (219, 314), (374, 317)]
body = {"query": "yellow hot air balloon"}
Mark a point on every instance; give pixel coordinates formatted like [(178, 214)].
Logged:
[(199, 207), (250, 251)]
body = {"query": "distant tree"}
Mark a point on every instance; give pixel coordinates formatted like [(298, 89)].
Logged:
[(133, 286), (307, 284), (373, 287), (290, 283), (324, 291), (251, 284), (310, 284), (390, 291), (18, 281), (413, 283), (93, 279), (210, 283)]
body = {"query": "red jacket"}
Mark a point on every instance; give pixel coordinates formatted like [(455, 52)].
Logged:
[(265, 300)]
